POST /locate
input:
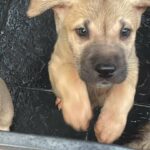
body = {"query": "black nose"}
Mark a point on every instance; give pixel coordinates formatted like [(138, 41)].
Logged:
[(105, 70)]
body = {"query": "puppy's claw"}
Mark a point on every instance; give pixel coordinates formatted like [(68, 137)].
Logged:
[(58, 103), (4, 129)]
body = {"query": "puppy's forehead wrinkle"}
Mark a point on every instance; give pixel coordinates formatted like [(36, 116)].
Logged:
[(103, 13)]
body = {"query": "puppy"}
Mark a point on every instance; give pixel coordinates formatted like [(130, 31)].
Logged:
[(6, 107), (94, 60)]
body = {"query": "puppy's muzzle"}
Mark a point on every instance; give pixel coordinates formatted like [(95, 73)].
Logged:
[(103, 65)]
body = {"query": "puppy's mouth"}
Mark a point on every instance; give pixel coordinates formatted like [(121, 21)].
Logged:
[(104, 84)]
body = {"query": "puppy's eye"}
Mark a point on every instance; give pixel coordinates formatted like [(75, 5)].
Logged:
[(125, 32), (82, 32)]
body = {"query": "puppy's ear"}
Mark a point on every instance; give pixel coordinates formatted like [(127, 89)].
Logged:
[(141, 5), (36, 7)]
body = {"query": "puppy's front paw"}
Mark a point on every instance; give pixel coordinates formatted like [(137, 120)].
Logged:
[(4, 128), (109, 127), (76, 113)]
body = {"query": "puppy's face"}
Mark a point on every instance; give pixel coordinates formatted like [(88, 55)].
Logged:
[(101, 35)]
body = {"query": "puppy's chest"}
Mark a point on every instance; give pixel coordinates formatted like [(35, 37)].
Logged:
[(97, 95)]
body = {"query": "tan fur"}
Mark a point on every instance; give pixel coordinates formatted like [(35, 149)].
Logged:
[(105, 17), (6, 107)]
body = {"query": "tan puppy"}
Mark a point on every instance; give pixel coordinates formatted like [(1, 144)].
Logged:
[(94, 60), (6, 107)]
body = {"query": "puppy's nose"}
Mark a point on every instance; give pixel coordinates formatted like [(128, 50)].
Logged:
[(105, 70)]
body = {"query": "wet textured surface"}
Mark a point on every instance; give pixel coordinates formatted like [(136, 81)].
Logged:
[(25, 48)]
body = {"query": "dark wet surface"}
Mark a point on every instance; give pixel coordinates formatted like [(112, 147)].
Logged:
[(25, 47)]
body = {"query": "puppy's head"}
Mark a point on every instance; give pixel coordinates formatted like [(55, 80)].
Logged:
[(100, 33)]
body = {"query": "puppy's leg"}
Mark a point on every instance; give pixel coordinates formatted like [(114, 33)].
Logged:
[(113, 117), (6, 107), (71, 91)]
